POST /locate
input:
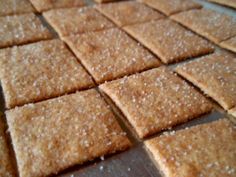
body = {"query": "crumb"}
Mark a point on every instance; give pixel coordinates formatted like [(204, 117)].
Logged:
[(101, 168), (102, 158)]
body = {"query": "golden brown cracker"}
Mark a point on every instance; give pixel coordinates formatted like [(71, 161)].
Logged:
[(58, 133), (170, 7), (110, 54), (39, 71), (76, 20), (214, 75), (22, 29), (6, 166), (168, 40), (229, 44), (229, 3), (43, 5), (233, 111), (155, 100), (211, 24), (203, 150), (10, 7), (128, 12)]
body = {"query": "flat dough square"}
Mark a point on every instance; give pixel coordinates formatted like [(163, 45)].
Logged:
[(233, 111), (170, 7), (128, 12), (10, 7), (229, 44), (39, 71), (21, 29), (155, 100), (55, 134), (84, 20), (43, 5), (213, 25), (203, 150), (6, 169), (104, 1), (230, 3), (214, 75), (170, 41), (110, 54)]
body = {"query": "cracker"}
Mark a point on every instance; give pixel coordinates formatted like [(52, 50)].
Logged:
[(43, 5), (203, 150), (155, 100), (214, 75), (104, 1), (6, 167), (55, 134), (233, 112), (128, 13), (170, 41), (84, 20), (170, 7), (229, 44), (15, 30), (230, 3), (39, 71), (10, 7), (213, 25), (110, 54)]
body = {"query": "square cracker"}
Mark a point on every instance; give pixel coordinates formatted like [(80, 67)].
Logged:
[(229, 44), (43, 5), (55, 134), (233, 111), (39, 71), (155, 100), (214, 75), (110, 54), (21, 29), (230, 3), (170, 7), (10, 7), (128, 13), (213, 25), (104, 1), (84, 20), (204, 150), (170, 41), (6, 167)]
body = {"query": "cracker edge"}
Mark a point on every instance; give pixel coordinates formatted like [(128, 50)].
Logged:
[(202, 87)]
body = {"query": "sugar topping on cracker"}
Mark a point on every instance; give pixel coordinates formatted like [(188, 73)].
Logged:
[(211, 24), (22, 29), (170, 7), (84, 19), (155, 100), (110, 54), (43, 5), (229, 44), (229, 3), (11, 7), (203, 150), (6, 166), (128, 12), (169, 40), (215, 75), (39, 71), (53, 135)]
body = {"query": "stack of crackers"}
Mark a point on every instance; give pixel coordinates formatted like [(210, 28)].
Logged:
[(67, 69)]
